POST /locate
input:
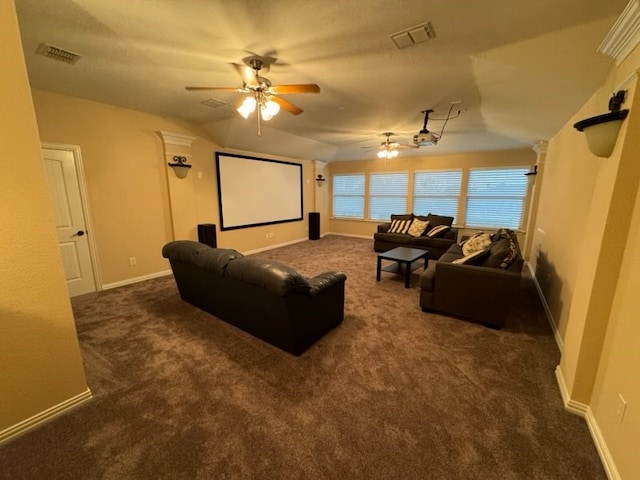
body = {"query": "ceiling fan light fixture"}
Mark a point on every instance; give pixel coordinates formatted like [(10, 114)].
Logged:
[(387, 153), (269, 109), (247, 107)]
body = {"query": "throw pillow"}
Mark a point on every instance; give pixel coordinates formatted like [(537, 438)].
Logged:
[(417, 227), (436, 220), (472, 258), (399, 226), (438, 231), (479, 241)]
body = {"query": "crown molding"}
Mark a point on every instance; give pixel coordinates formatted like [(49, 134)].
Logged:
[(171, 138), (624, 36)]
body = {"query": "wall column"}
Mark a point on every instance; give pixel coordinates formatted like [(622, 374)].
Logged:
[(181, 190), (534, 199), (321, 195)]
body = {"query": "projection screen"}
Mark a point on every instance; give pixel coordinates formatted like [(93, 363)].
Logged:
[(256, 191)]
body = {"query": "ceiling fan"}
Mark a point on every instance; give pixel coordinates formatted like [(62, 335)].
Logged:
[(261, 93), (389, 149)]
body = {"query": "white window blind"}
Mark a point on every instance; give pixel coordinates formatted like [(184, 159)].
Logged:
[(387, 194), (348, 196), (496, 197), (437, 192)]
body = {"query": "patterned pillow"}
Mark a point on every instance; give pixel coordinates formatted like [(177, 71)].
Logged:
[(472, 258), (399, 226), (479, 241), (438, 231), (417, 227)]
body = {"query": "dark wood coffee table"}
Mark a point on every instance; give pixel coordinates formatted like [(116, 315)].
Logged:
[(403, 258)]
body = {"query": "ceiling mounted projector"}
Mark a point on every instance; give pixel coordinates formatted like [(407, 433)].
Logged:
[(425, 138)]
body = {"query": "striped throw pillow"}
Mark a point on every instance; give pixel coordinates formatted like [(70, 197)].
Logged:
[(400, 226), (438, 231)]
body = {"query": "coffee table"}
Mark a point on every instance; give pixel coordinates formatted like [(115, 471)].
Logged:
[(403, 258)]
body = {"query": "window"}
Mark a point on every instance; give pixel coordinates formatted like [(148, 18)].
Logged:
[(437, 192), (387, 194), (348, 196), (496, 197)]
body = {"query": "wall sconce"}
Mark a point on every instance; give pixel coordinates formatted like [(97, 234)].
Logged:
[(602, 130), (180, 167), (531, 176), (320, 179)]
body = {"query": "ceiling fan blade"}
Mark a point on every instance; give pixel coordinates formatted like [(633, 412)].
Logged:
[(221, 89), (289, 107), (296, 88), (247, 74)]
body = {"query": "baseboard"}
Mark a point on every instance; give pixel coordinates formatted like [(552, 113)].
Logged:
[(42, 417), (585, 412), (271, 247), (547, 310), (368, 237), (130, 281)]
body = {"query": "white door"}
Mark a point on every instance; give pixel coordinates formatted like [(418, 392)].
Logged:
[(64, 189)]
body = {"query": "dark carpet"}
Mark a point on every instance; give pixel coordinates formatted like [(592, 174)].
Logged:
[(390, 393)]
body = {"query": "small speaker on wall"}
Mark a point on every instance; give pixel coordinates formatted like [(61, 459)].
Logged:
[(207, 234), (314, 225)]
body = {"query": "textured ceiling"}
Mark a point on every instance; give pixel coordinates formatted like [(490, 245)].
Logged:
[(521, 68)]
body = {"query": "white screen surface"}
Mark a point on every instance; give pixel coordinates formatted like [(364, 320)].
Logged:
[(255, 191)]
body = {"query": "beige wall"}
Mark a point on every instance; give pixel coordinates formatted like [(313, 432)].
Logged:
[(587, 267), (523, 157), (40, 364), (137, 203)]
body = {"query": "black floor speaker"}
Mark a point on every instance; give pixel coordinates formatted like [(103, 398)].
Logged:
[(207, 234), (314, 225)]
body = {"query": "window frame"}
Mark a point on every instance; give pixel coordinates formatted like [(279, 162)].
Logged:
[(391, 194), (457, 197), (523, 198), (348, 195)]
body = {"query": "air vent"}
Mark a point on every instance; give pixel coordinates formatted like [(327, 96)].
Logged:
[(412, 36), (213, 103), (57, 54)]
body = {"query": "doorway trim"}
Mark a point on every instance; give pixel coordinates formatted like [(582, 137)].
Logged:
[(77, 157)]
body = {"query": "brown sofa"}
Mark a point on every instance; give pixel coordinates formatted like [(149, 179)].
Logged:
[(383, 240), (482, 290)]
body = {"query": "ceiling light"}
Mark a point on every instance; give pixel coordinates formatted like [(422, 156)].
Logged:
[(247, 107), (388, 153), (269, 109)]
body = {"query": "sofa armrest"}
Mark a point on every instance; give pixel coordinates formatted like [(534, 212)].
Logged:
[(384, 227), (324, 281), (452, 234), (481, 293)]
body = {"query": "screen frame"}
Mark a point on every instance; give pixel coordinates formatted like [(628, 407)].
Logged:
[(221, 208)]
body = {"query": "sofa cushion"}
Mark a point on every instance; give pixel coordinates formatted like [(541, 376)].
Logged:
[(435, 220), (438, 231), (400, 223), (426, 278), (479, 241), (399, 238), (272, 276), (418, 227), (474, 258)]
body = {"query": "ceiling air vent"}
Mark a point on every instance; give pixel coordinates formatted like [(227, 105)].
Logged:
[(213, 103), (411, 36), (56, 53)]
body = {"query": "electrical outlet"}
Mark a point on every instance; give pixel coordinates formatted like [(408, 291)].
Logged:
[(132, 261), (622, 407)]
